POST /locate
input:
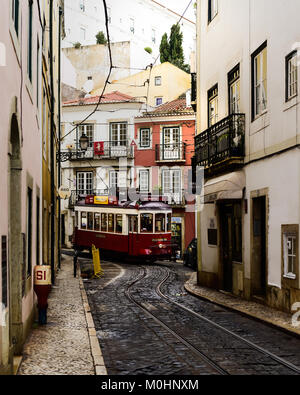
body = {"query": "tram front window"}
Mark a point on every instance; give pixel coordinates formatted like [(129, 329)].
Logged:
[(146, 223), (111, 223), (104, 222), (83, 221), (160, 224), (97, 222), (169, 223), (90, 222), (119, 224)]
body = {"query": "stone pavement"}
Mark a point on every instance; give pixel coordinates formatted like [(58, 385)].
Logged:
[(67, 345), (255, 310)]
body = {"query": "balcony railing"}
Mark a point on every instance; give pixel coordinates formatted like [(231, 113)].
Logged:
[(171, 152), (100, 150), (223, 141)]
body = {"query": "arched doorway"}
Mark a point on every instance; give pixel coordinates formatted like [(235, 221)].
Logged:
[(15, 239)]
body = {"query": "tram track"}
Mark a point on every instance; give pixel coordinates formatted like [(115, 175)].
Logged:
[(224, 331), (254, 346), (186, 343)]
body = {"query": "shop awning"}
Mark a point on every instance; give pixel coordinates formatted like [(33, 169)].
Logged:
[(229, 186)]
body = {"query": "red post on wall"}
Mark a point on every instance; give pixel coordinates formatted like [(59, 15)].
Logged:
[(42, 288)]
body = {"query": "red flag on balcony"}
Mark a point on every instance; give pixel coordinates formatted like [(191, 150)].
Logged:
[(99, 148)]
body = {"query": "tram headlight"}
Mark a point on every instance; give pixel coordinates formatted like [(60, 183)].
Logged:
[(161, 246)]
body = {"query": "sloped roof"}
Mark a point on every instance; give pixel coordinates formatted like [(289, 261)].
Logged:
[(175, 107), (114, 97)]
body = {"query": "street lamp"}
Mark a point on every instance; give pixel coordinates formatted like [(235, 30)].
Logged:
[(83, 146), (84, 142)]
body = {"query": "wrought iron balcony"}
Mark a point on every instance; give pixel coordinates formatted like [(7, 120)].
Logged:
[(99, 150), (222, 143), (171, 152)]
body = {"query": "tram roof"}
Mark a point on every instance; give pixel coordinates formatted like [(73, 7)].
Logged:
[(149, 205)]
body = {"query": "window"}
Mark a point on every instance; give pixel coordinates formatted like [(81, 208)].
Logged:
[(144, 180), (82, 34), (160, 223), (145, 138), (259, 81), (133, 223), (171, 143), (29, 232), (111, 223), (132, 25), (158, 101), (158, 81), (85, 183), (29, 49), (234, 90), (88, 130), (291, 76), (171, 181), (118, 134), (212, 9), (97, 222), (146, 223), (83, 225), (104, 222), (290, 252), (113, 179), (15, 14), (213, 106), (82, 5), (119, 223), (153, 36), (90, 221), (169, 222)]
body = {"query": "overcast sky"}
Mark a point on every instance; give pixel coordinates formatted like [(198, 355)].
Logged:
[(179, 6)]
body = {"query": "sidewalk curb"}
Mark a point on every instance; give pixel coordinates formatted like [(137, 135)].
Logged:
[(99, 365), (189, 288)]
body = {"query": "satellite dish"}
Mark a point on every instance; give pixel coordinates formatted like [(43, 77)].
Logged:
[(88, 86)]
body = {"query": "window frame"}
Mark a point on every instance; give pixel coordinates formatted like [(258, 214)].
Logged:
[(288, 59), (142, 146), (148, 182), (215, 9), (158, 98), (290, 279), (234, 77), (254, 84), (212, 97), (158, 80)]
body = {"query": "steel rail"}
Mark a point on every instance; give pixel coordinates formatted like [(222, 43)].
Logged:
[(192, 348), (262, 350)]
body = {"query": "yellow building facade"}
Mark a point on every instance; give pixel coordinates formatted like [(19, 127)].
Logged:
[(167, 83)]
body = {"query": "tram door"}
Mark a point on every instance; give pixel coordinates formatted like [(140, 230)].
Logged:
[(132, 233)]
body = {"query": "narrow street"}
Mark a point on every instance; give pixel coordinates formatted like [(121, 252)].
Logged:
[(147, 324)]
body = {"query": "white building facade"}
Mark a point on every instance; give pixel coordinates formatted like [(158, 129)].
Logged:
[(141, 22), (248, 142), (107, 165)]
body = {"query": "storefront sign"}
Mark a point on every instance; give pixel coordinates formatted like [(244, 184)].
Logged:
[(101, 200)]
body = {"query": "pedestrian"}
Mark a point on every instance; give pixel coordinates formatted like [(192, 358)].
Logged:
[(75, 259)]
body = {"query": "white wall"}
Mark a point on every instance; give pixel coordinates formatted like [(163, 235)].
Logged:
[(147, 15)]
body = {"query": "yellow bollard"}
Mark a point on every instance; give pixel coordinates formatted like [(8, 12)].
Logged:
[(98, 272)]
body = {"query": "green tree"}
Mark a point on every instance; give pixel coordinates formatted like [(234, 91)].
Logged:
[(171, 50), (164, 49), (101, 39)]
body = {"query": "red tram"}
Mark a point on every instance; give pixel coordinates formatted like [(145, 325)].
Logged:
[(139, 230)]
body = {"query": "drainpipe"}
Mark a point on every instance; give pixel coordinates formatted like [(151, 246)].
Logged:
[(52, 142), (198, 120)]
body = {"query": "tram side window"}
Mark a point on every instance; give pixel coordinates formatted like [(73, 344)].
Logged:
[(76, 219), (169, 223), (97, 222), (83, 221), (146, 223), (111, 223), (90, 221), (119, 223), (104, 222), (160, 223)]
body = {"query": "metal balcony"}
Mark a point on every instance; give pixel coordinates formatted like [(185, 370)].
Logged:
[(101, 150), (171, 152), (222, 144)]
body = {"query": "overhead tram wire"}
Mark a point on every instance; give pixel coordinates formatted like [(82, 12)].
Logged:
[(108, 77)]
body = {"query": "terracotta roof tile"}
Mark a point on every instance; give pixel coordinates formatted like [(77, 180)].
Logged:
[(114, 97)]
